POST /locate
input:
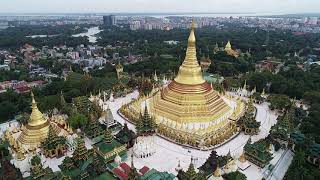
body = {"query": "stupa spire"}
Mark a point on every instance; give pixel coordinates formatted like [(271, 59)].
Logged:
[(245, 84), (33, 101), (190, 70), (36, 117)]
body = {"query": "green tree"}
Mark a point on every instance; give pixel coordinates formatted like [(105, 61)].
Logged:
[(36, 160), (78, 121), (279, 101), (312, 96), (234, 176), (7, 111)]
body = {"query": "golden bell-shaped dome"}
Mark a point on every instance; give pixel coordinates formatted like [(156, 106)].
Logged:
[(37, 128)]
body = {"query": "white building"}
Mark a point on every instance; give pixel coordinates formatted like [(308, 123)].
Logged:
[(5, 67), (135, 25)]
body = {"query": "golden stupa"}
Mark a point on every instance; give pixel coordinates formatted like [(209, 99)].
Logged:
[(228, 46), (228, 49), (37, 128), (188, 109), (189, 98)]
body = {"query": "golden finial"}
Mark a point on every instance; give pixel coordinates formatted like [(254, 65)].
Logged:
[(32, 97), (192, 37)]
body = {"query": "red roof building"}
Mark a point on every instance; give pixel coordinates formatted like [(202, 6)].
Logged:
[(23, 89), (120, 174), (125, 167), (36, 83), (144, 170)]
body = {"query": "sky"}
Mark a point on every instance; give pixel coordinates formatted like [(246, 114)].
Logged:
[(160, 6)]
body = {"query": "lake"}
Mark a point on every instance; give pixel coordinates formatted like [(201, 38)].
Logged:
[(90, 34)]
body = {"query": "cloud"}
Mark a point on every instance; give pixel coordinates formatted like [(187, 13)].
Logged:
[(149, 6)]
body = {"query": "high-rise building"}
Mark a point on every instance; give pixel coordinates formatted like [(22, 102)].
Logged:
[(135, 25), (110, 20), (313, 20)]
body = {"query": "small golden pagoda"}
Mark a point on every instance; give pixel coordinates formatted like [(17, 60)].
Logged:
[(228, 46), (242, 158), (228, 49), (37, 128)]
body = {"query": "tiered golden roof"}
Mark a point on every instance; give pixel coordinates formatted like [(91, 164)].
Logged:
[(189, 98), (37, 128)]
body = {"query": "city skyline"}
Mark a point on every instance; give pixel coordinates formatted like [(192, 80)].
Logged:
[(161, 6)]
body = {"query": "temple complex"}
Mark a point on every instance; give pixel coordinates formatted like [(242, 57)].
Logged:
[(248, 123), (93, 128), (280, 132), (80, 154), (109, 147), (205, 63), (244, 92), (188, 110), (54, 146), (36, 131), (38, 172), (191, 173), (258, 152), (107, 117), (126, 136), (146, 124)]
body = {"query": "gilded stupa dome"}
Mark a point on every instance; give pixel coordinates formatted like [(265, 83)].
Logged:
[(36, 131)]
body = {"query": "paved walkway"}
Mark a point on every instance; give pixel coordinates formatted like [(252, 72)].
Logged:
[(282, 166)]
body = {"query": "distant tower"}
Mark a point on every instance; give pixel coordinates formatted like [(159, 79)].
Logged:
[(119, 69), (109, 20)]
